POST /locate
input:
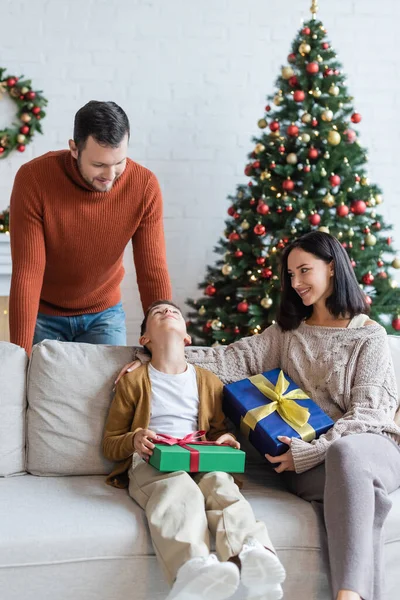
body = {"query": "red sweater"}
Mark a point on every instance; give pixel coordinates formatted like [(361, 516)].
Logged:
[(67, 241)]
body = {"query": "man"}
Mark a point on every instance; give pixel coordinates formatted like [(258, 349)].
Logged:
[(72, 214)]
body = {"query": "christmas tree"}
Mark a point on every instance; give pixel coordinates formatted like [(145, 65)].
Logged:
[(307, 171)]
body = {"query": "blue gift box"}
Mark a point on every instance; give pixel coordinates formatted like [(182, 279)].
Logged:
[(291, 412)]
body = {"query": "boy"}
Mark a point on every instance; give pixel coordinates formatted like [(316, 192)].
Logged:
[(168, 395)]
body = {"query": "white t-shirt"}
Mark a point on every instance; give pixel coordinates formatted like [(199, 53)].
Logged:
[(174, 402)]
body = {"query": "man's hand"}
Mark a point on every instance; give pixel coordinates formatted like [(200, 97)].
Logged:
[(228, 440), (127, 369), (286, 460), (142, 442)]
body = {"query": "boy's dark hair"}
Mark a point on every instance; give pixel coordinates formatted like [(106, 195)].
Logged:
[(106, 122), (346, 299), (153, 305)]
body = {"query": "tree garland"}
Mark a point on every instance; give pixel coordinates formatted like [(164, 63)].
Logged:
[(29, 113)]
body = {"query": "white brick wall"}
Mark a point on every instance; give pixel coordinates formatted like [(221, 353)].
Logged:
[(193, 76)]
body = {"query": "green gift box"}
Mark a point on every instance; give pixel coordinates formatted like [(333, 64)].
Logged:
[(193, 458)]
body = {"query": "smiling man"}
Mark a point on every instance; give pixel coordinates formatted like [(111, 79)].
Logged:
[(72, 214)]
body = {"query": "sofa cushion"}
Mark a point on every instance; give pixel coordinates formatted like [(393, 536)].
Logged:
[(394, 343), (70, 388), (13, 362)]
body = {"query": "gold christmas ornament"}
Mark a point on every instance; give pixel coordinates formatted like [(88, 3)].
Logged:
[(378, 198), (328, 200), (262, 123), (25, 118), (293, 230), (216, 325), (371, 202), (259, 148), (14, 92), (319, 58), (304, 48), (277, 100), (370, 239), (306, 118), (287, 72), (291, 158), (316, 93), (334, 90), (396, 263), (202, 311), (21, 138), (265, 175), (245, 224), (24, 90), (373, 214), (350, 233), (301, 215), (266, 302), (323, 229), (393, 283), (334, 138), (4, 141), (226, 269), (327, 115), (323, 172), (364, 181), (305, 138)]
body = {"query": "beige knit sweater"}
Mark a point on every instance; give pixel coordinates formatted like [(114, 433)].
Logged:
[(348, 372)]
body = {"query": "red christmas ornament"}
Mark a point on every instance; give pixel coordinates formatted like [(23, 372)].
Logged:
[(335, 180), (380, 263), (24, 129), (266, 273), (288, 185), (342, 210), (256, 164), (263, 208), (236, 216), (289, 208), (389, 241), (328, 72), (344, 245), (358, 207), (396, 323), (314, 122), (280, 245), (293, 81), (353, 263), (274, 126), (299, 96), (382, 275), (306, 31), (252, 202), (11, 81), (291, 58), (36, 110), (21, 148), (368, 300), (207, 327), (376, 225), (314, 219), (356, 117), (231, 211), (210, 290), (325, 46), (238, 254), (281, 149), (243, 307), (366, 230), (259, 229), (260, 260), (30, 95), (357, 178), (368, 278), (273, 165), (312, 68), (268, 108), (234, 236), (248, 170), (306, 168), (336, 72), (293, 130), (351, 135), (236, 330), (1, 149), (279, 210), (313, 153)]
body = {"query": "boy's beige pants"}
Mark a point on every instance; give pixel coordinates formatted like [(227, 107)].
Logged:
[(182, 510)]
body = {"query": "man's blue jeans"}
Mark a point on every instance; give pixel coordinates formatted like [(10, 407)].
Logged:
[(105, 327)]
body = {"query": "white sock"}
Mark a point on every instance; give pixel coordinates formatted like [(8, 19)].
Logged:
[(261, 571), (205, 579)]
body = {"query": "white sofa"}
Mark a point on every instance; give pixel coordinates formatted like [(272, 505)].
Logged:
[(66, 535)]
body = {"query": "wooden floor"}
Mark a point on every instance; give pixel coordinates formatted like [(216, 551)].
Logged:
[(4, 333)]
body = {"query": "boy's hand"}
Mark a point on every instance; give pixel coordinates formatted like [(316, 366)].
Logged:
[(229, 440), (142, 442), (127, 369)]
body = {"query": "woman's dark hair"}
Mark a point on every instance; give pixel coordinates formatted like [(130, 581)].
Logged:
[(105, 121), (347, 299)]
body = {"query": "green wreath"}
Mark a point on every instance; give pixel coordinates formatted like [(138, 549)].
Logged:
[(30, 111)]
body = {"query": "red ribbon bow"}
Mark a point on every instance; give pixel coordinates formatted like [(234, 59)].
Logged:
[(191, 438)]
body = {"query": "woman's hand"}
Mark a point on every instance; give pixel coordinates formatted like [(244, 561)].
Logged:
[(228, 440), (127, 369), (286, 460), (143, 444)]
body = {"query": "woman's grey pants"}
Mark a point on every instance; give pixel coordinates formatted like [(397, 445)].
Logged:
[(359, 472)]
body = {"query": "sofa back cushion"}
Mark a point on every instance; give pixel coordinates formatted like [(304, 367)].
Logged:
[(394, 343), (13, 364), (70, 388)]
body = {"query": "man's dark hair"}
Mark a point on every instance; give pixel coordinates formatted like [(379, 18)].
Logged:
[(146, 316), (106, 122), (346, 298)]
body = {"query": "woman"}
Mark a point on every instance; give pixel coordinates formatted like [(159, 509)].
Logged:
[(326, 343)]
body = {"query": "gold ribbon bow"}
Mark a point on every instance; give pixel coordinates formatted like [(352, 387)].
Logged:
[(283, 403)]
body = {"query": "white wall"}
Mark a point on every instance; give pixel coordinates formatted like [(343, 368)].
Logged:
[(192, 76)]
